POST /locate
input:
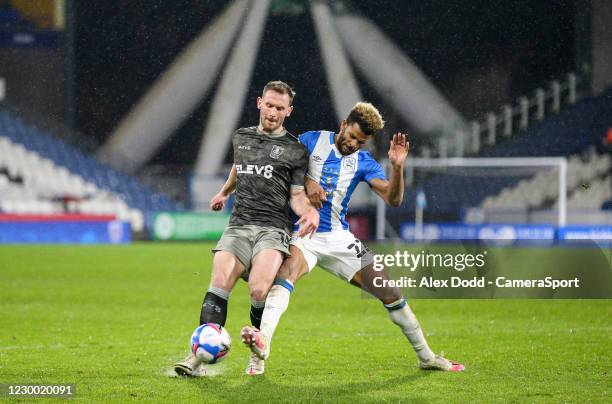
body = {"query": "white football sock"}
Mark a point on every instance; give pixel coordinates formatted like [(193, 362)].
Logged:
[(400, 314), (276, 304)]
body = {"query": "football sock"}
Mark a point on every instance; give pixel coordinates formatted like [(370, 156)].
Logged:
[(400, 314), (257, 309), (276, 304), (214, 308)]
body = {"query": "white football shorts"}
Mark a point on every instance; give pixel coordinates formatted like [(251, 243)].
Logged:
[(338, 252)]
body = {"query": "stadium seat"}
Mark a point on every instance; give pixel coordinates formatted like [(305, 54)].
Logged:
[(575, 132), (57, 177)]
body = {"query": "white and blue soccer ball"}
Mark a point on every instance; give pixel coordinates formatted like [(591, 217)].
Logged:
[(210, 343)]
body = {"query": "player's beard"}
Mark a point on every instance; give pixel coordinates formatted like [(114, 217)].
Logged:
[(274, 125), (340, 145)]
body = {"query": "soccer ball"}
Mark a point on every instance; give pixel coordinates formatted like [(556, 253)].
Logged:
[(210, 343)]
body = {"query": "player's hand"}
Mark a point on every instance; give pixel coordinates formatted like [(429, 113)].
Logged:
[(398, 149), (309, 222), (315, 192), (218, 201)]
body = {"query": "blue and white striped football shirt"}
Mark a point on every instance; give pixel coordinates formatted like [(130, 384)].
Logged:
[(338, 175)]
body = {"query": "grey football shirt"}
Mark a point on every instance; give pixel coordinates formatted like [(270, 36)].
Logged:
[(267, 167)]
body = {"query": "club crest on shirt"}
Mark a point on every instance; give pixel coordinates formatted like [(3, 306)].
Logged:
[(276, 151), (348, 163)]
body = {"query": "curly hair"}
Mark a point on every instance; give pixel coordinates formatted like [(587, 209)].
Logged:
[(367, 116)]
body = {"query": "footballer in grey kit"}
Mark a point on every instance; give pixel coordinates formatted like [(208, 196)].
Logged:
[(268, 177), (266, 165)]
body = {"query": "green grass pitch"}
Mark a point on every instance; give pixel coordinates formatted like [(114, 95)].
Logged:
[(113, 319)]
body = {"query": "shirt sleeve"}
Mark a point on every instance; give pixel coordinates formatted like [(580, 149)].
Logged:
[(372, 169), (309, 140), (299, 170), (233, 146)]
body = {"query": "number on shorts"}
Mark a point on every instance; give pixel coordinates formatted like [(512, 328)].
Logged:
[(360, 249), (285, 239)]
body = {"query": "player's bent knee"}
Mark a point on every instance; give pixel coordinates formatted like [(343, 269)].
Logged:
[(259, 288), (259, 291), (388, 295), (366, 279), (393, 296)]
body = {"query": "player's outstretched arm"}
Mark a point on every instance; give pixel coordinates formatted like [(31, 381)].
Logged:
[(315, 192), (218, 201), (309, 216), (392, 191)]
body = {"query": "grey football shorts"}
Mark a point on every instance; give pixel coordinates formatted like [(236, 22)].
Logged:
[(245, 242)]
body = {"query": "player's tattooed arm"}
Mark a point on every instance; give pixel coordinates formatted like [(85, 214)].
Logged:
[(309, 216), (218, 201), (392, 191), (315, 192)]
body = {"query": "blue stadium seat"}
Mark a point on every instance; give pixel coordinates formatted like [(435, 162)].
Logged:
[(572, 131), (128, 188)]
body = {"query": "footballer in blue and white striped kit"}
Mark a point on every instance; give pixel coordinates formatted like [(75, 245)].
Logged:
[(338, 175), (336, 166), (337, 170)]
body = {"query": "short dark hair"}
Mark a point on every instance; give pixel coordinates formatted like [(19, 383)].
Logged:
[(280, 87), (367, 116)]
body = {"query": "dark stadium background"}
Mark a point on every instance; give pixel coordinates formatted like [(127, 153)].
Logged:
[(103, 268), (478, 54), (505, 67)]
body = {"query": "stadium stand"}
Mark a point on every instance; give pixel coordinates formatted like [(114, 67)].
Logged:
[(586, 173), (575, 132), (40, 174)]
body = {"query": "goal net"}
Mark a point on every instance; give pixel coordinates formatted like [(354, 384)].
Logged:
[(476, 191)]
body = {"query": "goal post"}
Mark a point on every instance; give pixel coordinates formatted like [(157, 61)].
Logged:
[(451, 165)]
